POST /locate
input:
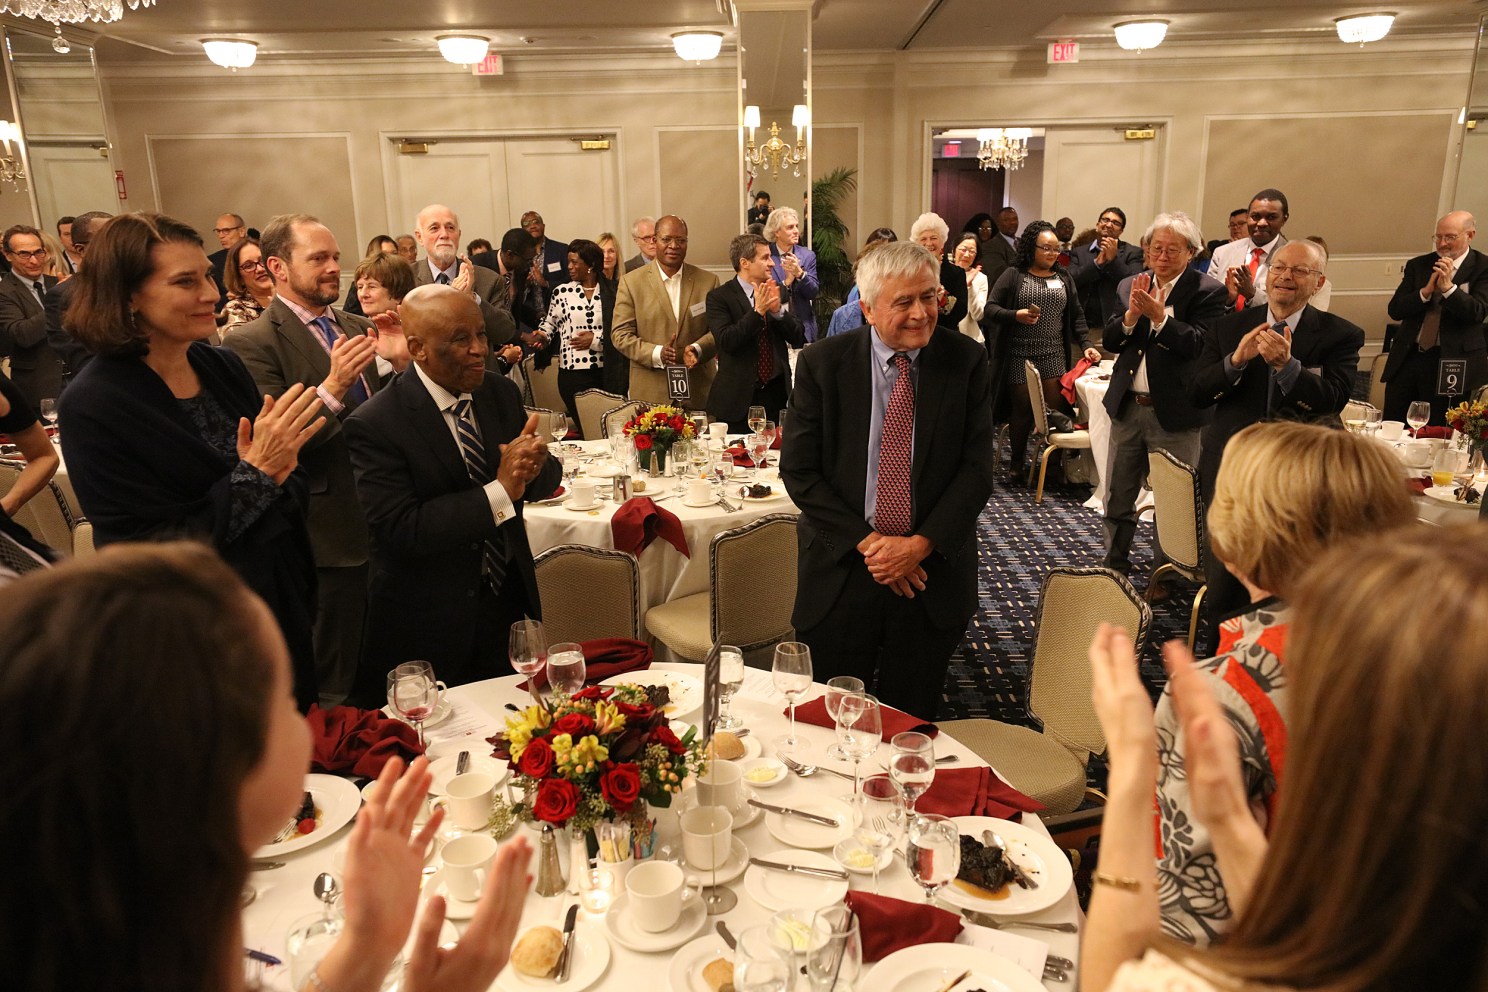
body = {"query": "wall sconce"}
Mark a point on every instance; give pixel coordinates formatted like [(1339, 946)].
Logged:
[(230, 53), (11, 169), (776, 153)]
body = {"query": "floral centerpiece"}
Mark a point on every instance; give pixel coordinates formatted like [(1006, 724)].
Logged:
[(1470, 420), (601, 754), (655, 429)]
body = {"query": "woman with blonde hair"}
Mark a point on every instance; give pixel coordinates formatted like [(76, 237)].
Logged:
[(1372, 875)]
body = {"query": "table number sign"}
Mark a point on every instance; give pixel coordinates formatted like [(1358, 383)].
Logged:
[(1451, 373), (678, 389)]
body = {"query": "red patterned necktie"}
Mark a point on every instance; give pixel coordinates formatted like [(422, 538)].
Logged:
[(891, 510), (1254, 266), (764, 363)]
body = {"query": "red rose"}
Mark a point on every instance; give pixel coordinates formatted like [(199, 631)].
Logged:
[(663, 735), (621, 786), (536, 759), (635, 712), (557, 799), (593, 692), (575, 725), (643, 442)]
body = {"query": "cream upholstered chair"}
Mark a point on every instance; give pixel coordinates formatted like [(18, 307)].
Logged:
[(1355, 410), (46, 514), (547, 420), (589, 593), (1050, 766), (1178, 509), (752, 572), (82, 540), (1376, 379), (613, 420), (1049, 441), (592, 405), (544, 384)]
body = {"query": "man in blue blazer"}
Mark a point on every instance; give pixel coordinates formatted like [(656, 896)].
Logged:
[(793, 266)]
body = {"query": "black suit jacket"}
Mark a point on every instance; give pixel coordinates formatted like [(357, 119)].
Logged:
[(429, 519), (735, 326), (996, 255), (1326, 345), (824, 465), (953, 279), (35, 368), (73, 353), (218, 260), (1097, 284), (1172, 356), (1461, 331)]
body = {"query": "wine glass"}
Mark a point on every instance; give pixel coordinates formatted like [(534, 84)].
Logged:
[(912, 764), (1418, 415), (767, 431), (723, 467), (838, 687), (415, 694), (730, 678), (566, 669), (839, 958), (859, 731), (527, 646), (797, 933), (791, 674), (699, 457), (759, 963), (558, 427), (759, 449), (49, 411), (880, 817), (677, 467), (756, 418), (933, 852)]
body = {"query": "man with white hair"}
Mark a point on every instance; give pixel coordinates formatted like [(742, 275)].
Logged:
[(886, 573), (793, 266), (930, 232), (643, 233), (437, 231), (1157, 336)]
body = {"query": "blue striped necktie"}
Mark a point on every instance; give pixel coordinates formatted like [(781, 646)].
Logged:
[(474, 453), (358, 392)]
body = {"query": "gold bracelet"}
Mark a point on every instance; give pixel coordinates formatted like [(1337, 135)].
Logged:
[(314, 983), (1121, 882)]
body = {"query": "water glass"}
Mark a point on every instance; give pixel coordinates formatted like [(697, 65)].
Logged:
[(836, 689), (759, 963), (859, 731), (933, 853), (912, 764), (838, 961), (759, 452), (566, 668), (791, 674), (880, 818), (730, 678)]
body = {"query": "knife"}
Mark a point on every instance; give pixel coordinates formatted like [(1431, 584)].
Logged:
[(825, 821), (264, 865), (728, 938), (565, 959), (462, 762), (840, 876)]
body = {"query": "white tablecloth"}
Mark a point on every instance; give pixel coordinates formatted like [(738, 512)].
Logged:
[(285, 895), (1090, 389)]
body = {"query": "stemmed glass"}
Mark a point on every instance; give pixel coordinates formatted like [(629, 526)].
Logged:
[(933, 853), (558, 427), (566, 668), (1372, 420), (767, 431), (415, 694), (759, 963), (681, 459), (1418, 415), (912, 764), (527, 646), (838, 687), (759, 450), (730, 678), (859, 732), (798, 933), (756, 418), (49, 412), (881, 816), (839, 958), (723, 467), (791, 673)]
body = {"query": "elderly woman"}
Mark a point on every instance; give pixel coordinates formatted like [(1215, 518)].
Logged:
[(794, 266), (1371, 876), (157, 659), (382, 244), (249, 288), (931, 232), (1033, 314), (169, 437), (965, 257), (576, 317)]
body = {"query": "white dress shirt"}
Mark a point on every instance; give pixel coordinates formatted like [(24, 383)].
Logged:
[(1236, 254)]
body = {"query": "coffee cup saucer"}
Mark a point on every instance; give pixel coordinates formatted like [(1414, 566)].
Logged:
[(454, 907), (571, 505), (621, 926), (732, 868), (686, 501)]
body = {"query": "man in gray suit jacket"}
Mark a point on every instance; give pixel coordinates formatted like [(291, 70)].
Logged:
[(35, 368), (437, 231), (300, 338)]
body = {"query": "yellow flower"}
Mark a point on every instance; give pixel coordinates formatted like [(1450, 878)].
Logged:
[(589, 751), (562, 748), (607, 717)]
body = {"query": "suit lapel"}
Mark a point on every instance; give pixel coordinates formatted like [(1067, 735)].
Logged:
[(488, 418), (928, 397), (297, 337), (428, 423), (857, 407)]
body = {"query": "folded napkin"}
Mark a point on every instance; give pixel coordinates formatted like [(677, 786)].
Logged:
[(1067, 381), (886, 924), (348, 740), (1419, 484), (894, 721), (1432, 431), (605, 657), (740, 456), (975, 792), (639, 521)]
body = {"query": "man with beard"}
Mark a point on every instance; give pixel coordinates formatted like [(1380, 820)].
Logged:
[(438, 232), (301, 338)]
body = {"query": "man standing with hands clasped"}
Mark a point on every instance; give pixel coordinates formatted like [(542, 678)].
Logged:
[(752, 331), (1242, 265)]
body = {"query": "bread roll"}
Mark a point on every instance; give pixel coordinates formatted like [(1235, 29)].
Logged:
[(726, 746), (536, 954), (719, 974)]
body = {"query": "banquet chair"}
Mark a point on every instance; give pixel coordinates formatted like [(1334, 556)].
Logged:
[(1355, 410), (1049, 441), (752, 578), (1050, 766), (45, 515), (547, 420), (588, 593), (1376, 379), (82, 540), (592, 404), (544, 385), (614, 419), (1178, 510)]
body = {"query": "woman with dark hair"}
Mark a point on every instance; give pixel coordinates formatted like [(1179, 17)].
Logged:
[(1033, 314), (249, 288), (576, 317), (965, 256), (169, 437), (156, 665)]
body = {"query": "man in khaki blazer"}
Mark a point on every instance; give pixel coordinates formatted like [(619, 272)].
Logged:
[(661, 318)]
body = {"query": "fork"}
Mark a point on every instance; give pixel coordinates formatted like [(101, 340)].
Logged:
[(731, 508), (806, 771)]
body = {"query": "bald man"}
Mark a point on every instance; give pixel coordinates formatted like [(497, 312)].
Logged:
[(1441, 304), (444, 458)]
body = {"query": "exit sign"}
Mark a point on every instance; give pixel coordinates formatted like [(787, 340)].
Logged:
[(1063, 52), (488, 66)]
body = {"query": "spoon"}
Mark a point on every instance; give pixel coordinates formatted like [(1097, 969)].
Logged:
[(326, 890), (806, 771)]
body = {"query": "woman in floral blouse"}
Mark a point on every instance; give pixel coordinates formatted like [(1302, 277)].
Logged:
[(249, 288), (576, 315)]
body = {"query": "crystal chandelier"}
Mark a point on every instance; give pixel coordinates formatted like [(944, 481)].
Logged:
[(61, 12), (1002, 148)]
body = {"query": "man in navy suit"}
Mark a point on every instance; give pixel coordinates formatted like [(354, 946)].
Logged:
[(551, 265), (751, 331), (1099, 267)]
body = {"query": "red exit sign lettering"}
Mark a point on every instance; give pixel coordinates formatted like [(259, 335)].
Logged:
[(1063, 52), (488, 66)]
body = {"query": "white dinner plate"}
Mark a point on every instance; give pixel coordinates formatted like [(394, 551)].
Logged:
[(620, 924), (686, 691), (776, 492), (1448, 495), (591, 950), (604, 470), (337, 801), (930, 966), (686, 971), (1035, 853), (775, 889), (731, 869), (796, 832), (443, 769)]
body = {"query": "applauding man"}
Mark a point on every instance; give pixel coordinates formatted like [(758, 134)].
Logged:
[(752, 331)]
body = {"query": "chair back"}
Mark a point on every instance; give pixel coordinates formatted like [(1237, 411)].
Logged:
[(1376, 379), (1179, 510), (544, 386), (82, 540), (1073, 603), (753, 574), (592, 404), (1480, 394), (547, 420), (588, 593), (46, 514), (1036, 398), (613, 421)]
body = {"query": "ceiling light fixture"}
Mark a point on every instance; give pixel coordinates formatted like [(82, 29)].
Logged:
[(697, 46), (1138, 36), (230, 53), (73, 11), (1363, 28), (463, 49)]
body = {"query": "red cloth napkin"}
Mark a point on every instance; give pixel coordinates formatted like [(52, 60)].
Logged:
[(348, 740), (1431, 431), (975, 792), (894, 721), (741, 457), (604, 657), (886, 924), (640, 521), (1419, 484), (1067, 381)]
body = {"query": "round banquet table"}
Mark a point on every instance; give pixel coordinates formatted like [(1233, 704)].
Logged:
[(284, 895)]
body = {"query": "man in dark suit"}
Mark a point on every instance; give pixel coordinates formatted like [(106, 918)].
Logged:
[(551, 267), (72, 352), (230, 229), (1281, 360), (1098, 268), (752, 332), (444, 460), (1441, 303), (513, 263), (643, 233), (35, 368), (438, 233), (302, 338), (998, 252), (889, 457), (760, 212), (1157, 338)]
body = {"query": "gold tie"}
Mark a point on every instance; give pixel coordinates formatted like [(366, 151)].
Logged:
[(1426, 339)]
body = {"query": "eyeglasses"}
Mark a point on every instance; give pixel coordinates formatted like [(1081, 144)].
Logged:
[(250, 266), (1050, 248), (647, 238), (27, 256), (1446, 239), (219, 231), (1282, 269), (1168, 252), (673, 242)]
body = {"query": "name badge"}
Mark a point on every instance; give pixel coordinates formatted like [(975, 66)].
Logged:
[(554, 266), (678, 389), (1053, 283), (697, 309)]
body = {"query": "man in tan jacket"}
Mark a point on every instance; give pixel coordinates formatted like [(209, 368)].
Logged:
[(661, 318)]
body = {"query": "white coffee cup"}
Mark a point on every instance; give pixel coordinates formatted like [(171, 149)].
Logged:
[(1416, 453), (699, 491), (1391, 430), (707, 833), (658, 890), (718, 431), (469, 798), (583, 493), (721, 785), (467, 860)]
